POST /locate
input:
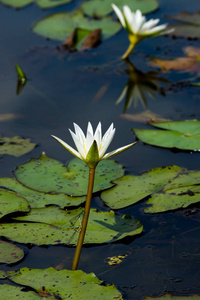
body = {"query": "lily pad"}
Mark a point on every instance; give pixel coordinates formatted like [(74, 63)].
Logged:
[(64, 284), (173, 199), (46, 175), (99, 8), (10, 203), (15, 146), (103, 227), (9, 253), (172, 297), (59, 26), (8, 291), (191, 26), (184, 135), (130, 189), (41, 3), (39, 199)]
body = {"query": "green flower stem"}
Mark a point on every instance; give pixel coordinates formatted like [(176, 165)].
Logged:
[(85, 219), (128, 51)]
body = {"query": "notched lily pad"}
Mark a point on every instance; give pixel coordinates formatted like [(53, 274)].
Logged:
[(15, 146), (60, 26), (103, 227), (9, 253), (39, 199), (11, 203), (8, 291), (184, 135), (130, 189), (64, 284), (99, 8), (46, 175)]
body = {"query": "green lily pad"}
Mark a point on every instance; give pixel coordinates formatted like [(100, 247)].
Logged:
[(46, 175), (60, 25), (172, 297), (41, 3), (15, 146), (130, 189), (103, 7), (191, 26), (3, 274), (184, 135), (39, 199), (64, 284), (173, 199), (8, 291), (103, 227), (9, 253), (10, 203)]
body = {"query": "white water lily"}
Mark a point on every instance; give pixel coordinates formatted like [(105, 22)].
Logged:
[(92, 147), (137, 27)]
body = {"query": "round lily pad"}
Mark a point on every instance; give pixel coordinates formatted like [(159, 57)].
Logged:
[(39, 199), (15, 146), (55, 226), (9, 253), (60, 25), (40, 3), (10, 203), (66, 284), (103, 7), (46, 175), (8, 291)]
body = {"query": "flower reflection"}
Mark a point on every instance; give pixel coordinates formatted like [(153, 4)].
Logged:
[(139, 87)]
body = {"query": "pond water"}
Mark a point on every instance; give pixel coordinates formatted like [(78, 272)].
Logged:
[(79, 87)]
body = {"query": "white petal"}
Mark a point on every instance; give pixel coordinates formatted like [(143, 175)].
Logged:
[(79, 144), (156, 30), (150, 24), (106, 142), (98, 135), (68, 147), (138, 21), (119, 14), (79, 133), (89, 141), (128, 15), (89, 129), (107, 133), (110, 154)]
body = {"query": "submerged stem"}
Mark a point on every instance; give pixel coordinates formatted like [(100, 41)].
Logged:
[(85, 220)]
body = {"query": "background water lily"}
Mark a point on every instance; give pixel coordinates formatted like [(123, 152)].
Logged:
[(137, 27)]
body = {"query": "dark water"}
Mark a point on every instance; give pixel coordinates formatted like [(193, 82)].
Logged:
[(64, 88)]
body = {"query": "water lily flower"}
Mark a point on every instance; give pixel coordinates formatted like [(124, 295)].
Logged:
[(92, 147), (137, 27)]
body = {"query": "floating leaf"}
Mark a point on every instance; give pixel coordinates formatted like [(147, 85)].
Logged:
[(40, 3), (15, 292), (130, 189), (45, 174), (38, 199), (173, 199), (59, 26), (172, 297), (191, 26), (15, 146), (64, 284), (9, 253), (187, 64), (103, 227), (2, 274), (10, 203), (183, 135), (99, 8)]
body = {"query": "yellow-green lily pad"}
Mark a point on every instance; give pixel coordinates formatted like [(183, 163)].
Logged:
[(15, 146), (130, 189), (10, 253), (172, 297), (8, 291), (59, 26), (99, 8), (184, 135), (65, 284), (103, 227), (39, 199), (47, 175), (12, 203)]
